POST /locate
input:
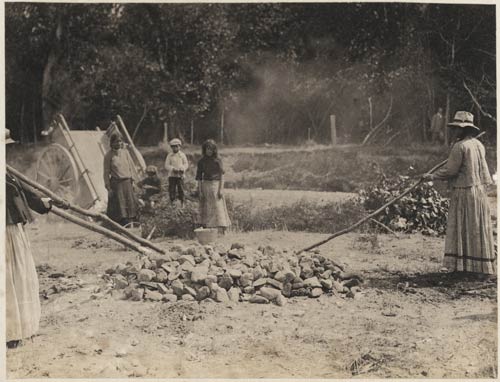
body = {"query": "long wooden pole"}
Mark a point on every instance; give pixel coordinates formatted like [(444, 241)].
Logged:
[(96, 228), (376, 212), (94, 215)]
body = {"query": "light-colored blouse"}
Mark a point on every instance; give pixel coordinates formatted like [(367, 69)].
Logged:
[(117, 165)]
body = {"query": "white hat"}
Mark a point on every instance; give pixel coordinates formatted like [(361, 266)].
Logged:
[(463, 119), (175, 142), (8, 139)]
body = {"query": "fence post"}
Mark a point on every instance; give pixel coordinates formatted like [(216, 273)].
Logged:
[(333, 128)]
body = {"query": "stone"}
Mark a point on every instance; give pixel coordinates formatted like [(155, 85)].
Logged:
[(258, 272), (178, 288), (287, 289), (120, 281), (249, 260), (306, 266), (249, 290), (161, 275), (268, 251), (275, 283), (170, 298), (173, 276), (211, 279), (337, 286), (280, 276), (147, 264), (189, 258), (327, 284), (146, 275), (199, 274), (246, 279), (234, 294), (187, 297), (137, 294), (270, 293), (316, 292), (326, 274), (351, 283), (221, 295), (300, 292), (255, 299), (298, 285), (132, 269), (237, 246), (149, 285), (186, 266), (234, 254), (162, 288), (121, 269), (191, 291), (235, 273), (153, 296), (221, 263), (167, 267), (260, 282), (312, 282), (203, 293), (221, 248), (280, 300), (226, 281)]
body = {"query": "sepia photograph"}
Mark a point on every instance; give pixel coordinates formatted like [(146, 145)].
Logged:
[(264, 190)]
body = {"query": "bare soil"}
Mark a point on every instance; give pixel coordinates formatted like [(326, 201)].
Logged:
[(410, 320)]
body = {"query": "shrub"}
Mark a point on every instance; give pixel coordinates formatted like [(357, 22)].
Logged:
[(423, 210)]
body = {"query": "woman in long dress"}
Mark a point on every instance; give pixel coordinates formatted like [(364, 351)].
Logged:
[(21, 280), (210, 177), (118, 180), (469, 244)]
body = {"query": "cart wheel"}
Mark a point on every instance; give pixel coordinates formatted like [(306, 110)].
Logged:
[(57, 171)]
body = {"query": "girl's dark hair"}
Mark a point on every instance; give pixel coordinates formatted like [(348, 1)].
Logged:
[(209, 143)]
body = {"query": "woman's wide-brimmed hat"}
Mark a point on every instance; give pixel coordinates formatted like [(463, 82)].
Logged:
[(463, 119), (8, 139)]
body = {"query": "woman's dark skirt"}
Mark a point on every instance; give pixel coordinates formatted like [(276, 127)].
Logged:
[(122, 202)]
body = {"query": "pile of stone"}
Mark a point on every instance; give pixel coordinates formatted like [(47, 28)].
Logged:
[(220, 274)]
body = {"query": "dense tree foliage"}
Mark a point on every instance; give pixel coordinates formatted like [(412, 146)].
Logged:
[(267, 72)]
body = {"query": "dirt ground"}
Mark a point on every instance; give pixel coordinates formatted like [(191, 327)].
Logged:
[(410, 320)]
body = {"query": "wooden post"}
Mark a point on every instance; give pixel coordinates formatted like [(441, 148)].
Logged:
[(333, 128), (222, 126), (192, 131), (446, 120)]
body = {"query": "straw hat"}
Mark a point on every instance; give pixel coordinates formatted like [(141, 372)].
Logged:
[(463, 119), (175, 142), (8, 139)]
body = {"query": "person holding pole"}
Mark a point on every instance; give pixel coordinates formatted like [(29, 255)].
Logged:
[(469, 244), (21, 280)]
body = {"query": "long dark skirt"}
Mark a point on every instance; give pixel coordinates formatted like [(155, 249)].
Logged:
[(122, 202)]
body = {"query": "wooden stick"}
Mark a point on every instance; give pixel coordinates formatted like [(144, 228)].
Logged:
[(94, 215), (378, 211), (384, 226), (96, 228)]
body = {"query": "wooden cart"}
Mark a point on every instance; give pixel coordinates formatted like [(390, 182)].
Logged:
[(72, 164)]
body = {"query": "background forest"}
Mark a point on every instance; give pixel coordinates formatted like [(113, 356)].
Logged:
[(269, 73)]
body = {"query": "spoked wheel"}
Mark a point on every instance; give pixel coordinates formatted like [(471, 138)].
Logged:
[(57, 171)]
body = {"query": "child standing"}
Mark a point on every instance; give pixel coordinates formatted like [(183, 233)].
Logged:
[(210, 177), (176, 164), (151, 185)]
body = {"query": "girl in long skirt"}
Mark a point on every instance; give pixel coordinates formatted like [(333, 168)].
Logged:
[(21, 280), (469, 245), (210, 177), (118, 180)]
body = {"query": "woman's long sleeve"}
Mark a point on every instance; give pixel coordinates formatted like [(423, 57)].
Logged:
[(452, 167)]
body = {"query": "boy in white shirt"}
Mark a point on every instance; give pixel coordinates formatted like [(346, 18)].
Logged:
[(176, 164)]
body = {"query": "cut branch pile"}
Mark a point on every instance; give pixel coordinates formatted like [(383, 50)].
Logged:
[(219, 274)]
